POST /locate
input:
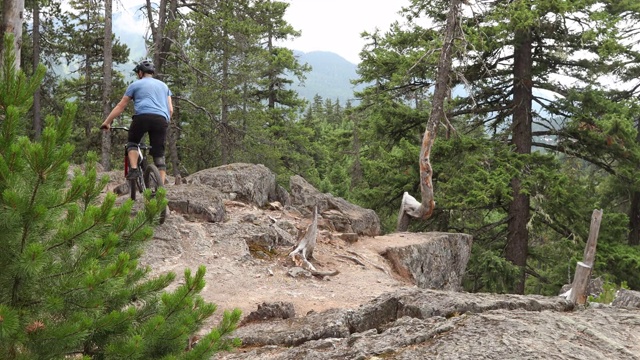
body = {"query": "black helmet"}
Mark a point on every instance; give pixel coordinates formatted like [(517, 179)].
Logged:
[(146, 66)]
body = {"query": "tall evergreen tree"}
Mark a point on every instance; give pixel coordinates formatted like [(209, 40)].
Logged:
[(70, 283), (243, 109), (83, 49), (508, 65)]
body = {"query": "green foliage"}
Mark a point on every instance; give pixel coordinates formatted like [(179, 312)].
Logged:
[(584, 148), (488, 271), (620, 262), (81, 46), (609, 291), (70, 279), (241, 107), (15, 88)]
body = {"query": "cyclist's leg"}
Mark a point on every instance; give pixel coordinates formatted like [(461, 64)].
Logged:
[(157, 137), (136, 132)]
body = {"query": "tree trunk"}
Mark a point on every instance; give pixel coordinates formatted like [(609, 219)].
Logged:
[(12, 19), (37, 95), (174, 135), (518, 235), (634, 219), (88, 125), (106, 90), (162, 46), (161, 39), (409, 207), (225, 133), (634, 209), (152, 25)]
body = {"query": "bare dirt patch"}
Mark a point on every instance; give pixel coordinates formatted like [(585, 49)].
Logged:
[(240, 277)]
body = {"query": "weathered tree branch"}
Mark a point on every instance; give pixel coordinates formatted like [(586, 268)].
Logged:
[(409, 207)]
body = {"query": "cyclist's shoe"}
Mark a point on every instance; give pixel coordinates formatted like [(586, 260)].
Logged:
[(133, 174)]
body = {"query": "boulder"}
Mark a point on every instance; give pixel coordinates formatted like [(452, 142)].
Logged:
[(252, 183), (195, 202), (343, 216), (431, 260), (271, 311), (627, 299), (595, 288)]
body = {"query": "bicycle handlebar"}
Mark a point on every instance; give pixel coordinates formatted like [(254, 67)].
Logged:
[(120, 128)]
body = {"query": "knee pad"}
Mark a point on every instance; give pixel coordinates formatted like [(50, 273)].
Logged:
[(159, 162)]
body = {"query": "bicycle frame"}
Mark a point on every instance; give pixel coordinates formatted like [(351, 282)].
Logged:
[(149, 177)]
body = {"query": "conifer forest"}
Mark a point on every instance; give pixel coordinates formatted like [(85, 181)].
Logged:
[(541, 127)]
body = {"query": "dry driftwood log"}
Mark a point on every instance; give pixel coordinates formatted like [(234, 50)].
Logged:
[(410, 207), (304, 251)]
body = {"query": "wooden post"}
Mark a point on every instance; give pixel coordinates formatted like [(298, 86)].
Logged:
[(583, 268)]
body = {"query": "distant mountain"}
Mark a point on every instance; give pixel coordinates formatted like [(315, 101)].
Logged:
[(330, 77)]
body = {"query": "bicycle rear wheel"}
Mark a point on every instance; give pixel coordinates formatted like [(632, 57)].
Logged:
[(152, 180)]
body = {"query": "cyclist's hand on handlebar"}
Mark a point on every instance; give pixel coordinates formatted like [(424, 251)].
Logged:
[(105, 126)]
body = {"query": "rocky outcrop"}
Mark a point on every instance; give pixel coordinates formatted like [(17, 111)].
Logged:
[(196, 203), (439, 262), (627, 299), (343, 216), (252, 183), (256, 185), (429, 324), (270, 311), (221, 219)]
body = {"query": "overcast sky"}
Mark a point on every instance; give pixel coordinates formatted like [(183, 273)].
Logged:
[(335, 25), (326, 25)]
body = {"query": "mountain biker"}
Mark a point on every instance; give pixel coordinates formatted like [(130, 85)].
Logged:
[(153, 110)]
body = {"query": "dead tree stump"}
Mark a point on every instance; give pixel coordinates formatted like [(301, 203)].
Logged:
[(584, 267)]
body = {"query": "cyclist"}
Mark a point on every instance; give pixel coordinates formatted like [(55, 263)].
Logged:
[(152, 112)]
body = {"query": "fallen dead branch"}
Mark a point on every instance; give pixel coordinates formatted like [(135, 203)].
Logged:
[(304, 251), (370, 262), (352, 259), (322, 274)]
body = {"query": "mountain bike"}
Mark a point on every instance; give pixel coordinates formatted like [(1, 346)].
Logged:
[(149, 174)]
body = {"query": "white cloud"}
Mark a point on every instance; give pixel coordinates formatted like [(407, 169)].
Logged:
[(326, 25), (336, 25)]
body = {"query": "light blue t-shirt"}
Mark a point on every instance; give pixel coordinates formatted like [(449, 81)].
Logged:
[(149, 97)]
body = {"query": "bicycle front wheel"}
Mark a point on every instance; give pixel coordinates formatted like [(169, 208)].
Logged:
[(152, 180)]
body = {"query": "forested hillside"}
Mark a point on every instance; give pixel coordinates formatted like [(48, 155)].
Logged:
[(561, 70), (330, 77)]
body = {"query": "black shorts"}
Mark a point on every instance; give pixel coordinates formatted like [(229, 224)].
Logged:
[(155, 125)]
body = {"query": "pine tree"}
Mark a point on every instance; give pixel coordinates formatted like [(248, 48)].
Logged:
[(70, 283)]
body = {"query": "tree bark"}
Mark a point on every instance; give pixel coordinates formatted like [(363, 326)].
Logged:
[(107, 88), (585, 267), (12, 19), (634, 209), (410, 208), (162, 46), (225, 133), (518, 236), (174, 135), (634, 219), (37, 95)]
